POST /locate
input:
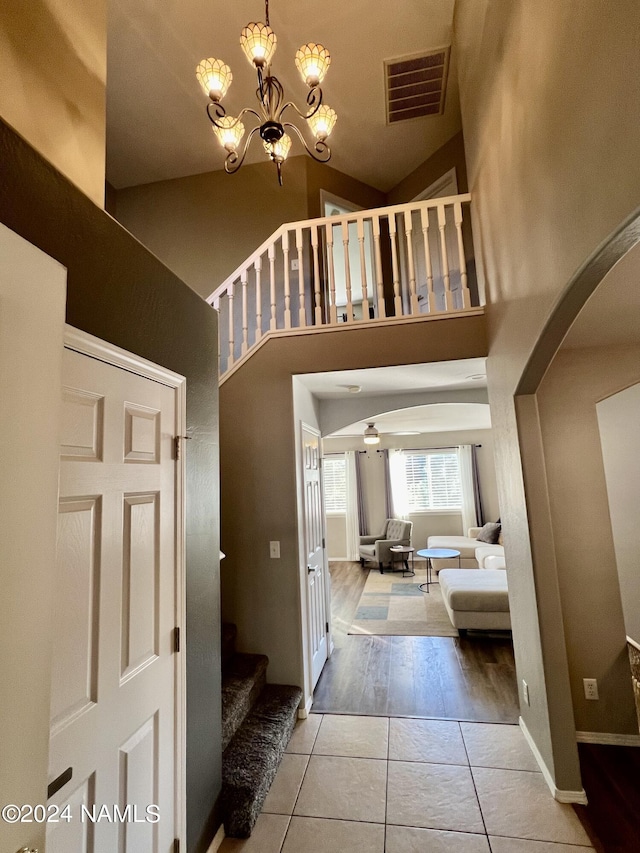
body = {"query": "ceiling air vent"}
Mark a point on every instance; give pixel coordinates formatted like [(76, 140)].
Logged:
[(416, 85)]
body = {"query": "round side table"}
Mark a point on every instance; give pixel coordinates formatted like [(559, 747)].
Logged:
[(435, 554), (402, 552)]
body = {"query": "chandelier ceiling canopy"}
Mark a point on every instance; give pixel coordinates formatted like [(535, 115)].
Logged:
[(259, 44)]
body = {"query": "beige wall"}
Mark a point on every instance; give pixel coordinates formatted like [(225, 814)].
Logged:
[(618, 419), (258, 474), (593, 619), (53, 71), (449, 156), (204, 226), (551, 146)]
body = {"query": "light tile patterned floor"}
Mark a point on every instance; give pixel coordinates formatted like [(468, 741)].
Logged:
[(391, 785)]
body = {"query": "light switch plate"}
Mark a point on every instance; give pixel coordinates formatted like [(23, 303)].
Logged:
[(274, 550)]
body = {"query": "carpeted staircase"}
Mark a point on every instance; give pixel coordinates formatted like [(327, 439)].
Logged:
[(257, 721)]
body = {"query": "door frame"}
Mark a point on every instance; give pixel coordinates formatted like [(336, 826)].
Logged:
[(86, 344)]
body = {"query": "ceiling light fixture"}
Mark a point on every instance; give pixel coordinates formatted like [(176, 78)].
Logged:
[(371, 435), (259, 44)]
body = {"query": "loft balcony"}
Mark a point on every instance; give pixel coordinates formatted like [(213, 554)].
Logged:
[(406, 263)]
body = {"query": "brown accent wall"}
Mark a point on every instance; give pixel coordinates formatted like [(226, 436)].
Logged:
[(53, 71), (119, 292), (258, 476), (552, 155), (449, 156)]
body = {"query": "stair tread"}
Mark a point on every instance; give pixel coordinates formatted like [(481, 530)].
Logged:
[(242, 682), (251, 760)]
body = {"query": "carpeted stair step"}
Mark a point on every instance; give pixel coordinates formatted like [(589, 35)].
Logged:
[(228, 650), (252, 758), (242, 682)]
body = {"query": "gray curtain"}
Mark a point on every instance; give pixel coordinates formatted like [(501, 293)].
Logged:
[(388, 493), (363, 522), (477, 495)]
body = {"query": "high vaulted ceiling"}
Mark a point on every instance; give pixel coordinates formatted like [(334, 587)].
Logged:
[(156, 122)]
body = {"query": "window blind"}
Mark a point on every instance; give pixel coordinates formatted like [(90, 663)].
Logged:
[(433, 481), (335, 483)]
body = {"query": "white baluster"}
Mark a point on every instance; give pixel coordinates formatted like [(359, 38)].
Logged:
[(363, 271), (466, 296), (442, 224), (302, 313), (411, 269), (347, 269), (216, 306), (378, 257), (231, 332), (397, 298), (333, 318), (287, 287), (431, 297), (316, 276), (271, 252), (258, 268), (245, 322)]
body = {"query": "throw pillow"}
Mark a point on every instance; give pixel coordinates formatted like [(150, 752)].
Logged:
[(489, 533)]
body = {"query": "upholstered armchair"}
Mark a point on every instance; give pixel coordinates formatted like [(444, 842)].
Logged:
[(376, 548)]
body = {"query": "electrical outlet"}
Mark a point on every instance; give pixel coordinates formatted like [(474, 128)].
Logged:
[(525, 692), (274, 550), (295, 264), (590, 688)]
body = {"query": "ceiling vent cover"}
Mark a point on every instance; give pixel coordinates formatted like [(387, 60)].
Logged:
[(416, 85)]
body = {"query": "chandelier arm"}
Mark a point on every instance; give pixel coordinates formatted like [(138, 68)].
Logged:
[(314, 100), (234, 161), (219, 111), (231, 126), (323, 152)]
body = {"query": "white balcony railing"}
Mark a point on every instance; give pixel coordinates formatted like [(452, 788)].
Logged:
[(409, 260)]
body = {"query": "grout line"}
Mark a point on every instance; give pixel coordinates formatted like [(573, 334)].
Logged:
[(286, 832), (386, 788), (473, 781)]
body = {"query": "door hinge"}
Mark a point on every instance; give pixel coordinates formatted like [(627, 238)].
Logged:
[(323, 545), (176, 845), (176, 445), (326, 625), (176, 639)]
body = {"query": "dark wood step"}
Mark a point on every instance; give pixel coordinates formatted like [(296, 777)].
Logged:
[(251, 760)]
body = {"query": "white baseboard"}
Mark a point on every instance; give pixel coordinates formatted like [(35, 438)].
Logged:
[(303, 713), (217, 840), (608, 739), (558, 794), (633, 643)]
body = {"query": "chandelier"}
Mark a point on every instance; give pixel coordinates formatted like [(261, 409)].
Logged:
[(259, 44)]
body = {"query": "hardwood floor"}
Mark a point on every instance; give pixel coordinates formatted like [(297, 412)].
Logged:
[(450, 678), (610, 777)]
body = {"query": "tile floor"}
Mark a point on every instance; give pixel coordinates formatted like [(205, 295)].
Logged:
[(397, 785)]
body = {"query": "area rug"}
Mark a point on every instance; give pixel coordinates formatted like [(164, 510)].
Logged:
[(394, 606)]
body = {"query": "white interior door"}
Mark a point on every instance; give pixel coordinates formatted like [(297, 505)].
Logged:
[(314, 543), (113, 694)]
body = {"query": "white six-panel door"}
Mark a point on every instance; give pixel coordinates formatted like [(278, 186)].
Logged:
[(314, 550), (113, 696)]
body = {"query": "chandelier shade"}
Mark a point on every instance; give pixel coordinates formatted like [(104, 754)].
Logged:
[(322, 122), (215, 77), (312, 61), (278, 151), (229, 131), (259, 43)]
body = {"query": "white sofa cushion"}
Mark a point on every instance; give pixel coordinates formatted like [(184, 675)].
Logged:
[(464, 544), (494, 561), (484, 551), (471, 590)]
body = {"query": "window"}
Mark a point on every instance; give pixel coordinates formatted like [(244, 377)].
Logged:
[(432, 481), (335, 483)]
